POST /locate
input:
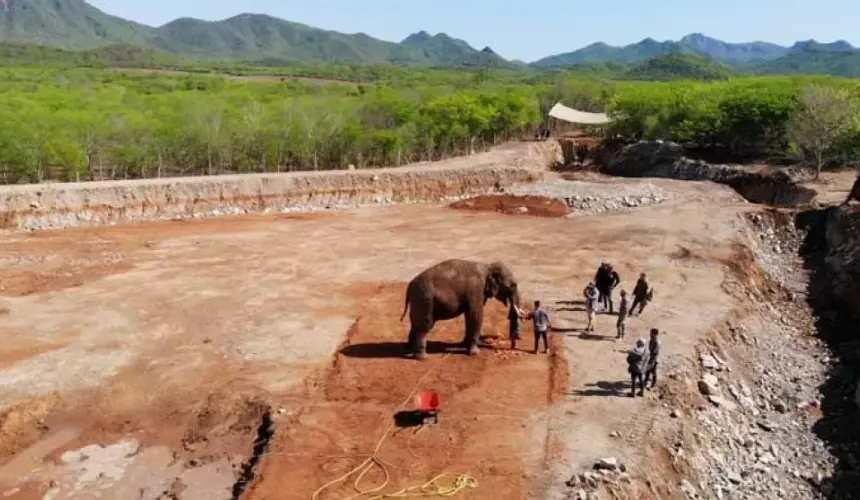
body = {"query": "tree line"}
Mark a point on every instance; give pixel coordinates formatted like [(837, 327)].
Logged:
[(778, 119), (85, 124)]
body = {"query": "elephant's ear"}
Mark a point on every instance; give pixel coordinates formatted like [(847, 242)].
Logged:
[(492, 283)]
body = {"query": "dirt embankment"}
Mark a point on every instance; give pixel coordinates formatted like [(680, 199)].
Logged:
[(667, 160), (43, 206)]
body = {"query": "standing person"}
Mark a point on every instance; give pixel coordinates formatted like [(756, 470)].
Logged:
[(637, 364), (602, 279), (592, 296), (653, 354), (640, 294), (623, 309), (542, 325), (515, 314), (613, 281)]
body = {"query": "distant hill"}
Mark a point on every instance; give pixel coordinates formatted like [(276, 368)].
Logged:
[(675, 66), (77, 25), (735, 54), (813, 58), (74, 24)]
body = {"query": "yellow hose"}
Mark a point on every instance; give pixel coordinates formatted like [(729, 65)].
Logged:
[(430, 488)]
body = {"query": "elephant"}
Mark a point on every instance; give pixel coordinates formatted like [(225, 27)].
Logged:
[(449, 289)]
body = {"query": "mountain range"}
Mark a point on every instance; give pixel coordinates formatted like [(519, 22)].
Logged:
[(77, 25)]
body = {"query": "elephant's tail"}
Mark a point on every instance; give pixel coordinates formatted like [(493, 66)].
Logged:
[(405, 307)]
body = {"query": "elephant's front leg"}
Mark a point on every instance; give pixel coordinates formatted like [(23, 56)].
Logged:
[(474, 322)]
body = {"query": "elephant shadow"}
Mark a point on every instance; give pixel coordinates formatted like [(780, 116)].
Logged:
[(591, 336), (579, 302), (394, 349)]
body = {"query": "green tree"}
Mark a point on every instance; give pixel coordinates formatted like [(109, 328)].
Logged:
[(823, 117)]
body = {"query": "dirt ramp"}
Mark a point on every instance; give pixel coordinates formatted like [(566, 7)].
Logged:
[(492, 424), (514, 205)]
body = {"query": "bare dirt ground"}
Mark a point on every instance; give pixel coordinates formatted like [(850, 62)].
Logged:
[(172, 345), (259, 356)]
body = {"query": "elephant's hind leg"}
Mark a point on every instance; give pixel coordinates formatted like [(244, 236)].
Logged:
[(422, 323)]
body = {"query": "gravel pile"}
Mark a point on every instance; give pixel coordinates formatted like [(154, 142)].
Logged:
[(587, 198)]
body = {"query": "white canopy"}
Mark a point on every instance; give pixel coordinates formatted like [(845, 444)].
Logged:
[(562, 112)]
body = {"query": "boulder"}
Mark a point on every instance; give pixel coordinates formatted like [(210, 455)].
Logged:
[(709, 385), (610, 464)]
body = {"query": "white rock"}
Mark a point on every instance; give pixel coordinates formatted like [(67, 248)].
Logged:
[(610, 463), (709, 386), (708, 362), (722, 403)]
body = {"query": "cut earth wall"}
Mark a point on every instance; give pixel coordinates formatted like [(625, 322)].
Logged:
[(58, 205)]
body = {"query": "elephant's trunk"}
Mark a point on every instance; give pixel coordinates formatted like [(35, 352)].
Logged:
[(515, 298)]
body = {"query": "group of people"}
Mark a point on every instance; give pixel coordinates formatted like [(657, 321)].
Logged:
[(641, 360), (598, 292)]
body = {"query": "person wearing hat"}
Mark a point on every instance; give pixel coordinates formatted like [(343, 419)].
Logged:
[(592, 296), (637, 364), (623, 309)]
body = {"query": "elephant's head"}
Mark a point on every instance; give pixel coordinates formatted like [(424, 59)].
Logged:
[(501, 284)]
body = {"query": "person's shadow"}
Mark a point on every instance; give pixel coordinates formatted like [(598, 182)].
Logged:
[(604, 389)]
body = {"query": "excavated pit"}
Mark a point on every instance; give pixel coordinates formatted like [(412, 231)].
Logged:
[(783, 369), (831, 254), (667, 160)]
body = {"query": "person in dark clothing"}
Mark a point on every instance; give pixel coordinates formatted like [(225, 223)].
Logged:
[(637, 364), (653, 354), (606, 279), (640, 294), (613, 280)]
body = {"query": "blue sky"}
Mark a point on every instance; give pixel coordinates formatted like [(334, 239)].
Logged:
[(534, 29)]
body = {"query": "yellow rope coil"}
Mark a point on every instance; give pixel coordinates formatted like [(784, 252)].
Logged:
[(429, 489)]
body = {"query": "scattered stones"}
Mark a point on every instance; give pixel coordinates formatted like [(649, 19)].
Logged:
[(754, 440), (586, 198)]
